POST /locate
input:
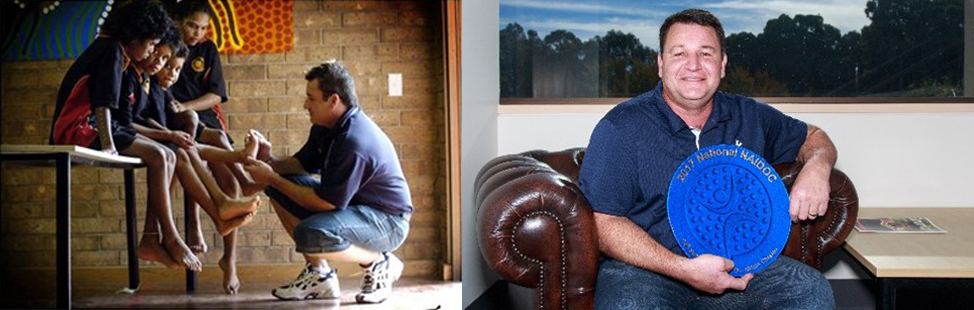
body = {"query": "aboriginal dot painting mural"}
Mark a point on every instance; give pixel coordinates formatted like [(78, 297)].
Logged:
[(52, 30), (252, 27)]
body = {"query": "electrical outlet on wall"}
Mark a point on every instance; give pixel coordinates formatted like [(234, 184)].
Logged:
[(395, 84)]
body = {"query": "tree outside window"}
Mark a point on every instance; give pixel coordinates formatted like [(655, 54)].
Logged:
[(907, 48)]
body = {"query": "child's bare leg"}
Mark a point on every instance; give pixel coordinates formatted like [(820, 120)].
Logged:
[(228, 263), (220, 200), (232, 207), (232, 161), (150, 247), (219, 150), (188, 121), (193, 187), (216, 154), (224, 176), (195, 238), (160, 163)]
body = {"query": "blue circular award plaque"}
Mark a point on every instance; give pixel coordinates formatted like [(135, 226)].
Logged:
[(727, 201)]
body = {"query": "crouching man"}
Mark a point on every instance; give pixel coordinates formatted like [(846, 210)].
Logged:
[(359, 209)]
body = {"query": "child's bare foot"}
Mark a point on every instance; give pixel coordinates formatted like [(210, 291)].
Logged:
[(251, 146), (263, 146), (151, 250), (196, 242), (230, 282), (181, 254), (194, 238), (232, 208), (226, 227)]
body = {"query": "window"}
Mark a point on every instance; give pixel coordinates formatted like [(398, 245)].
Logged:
[(883, 49)]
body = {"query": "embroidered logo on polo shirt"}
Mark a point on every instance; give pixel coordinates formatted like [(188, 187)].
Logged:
[(198, 64)]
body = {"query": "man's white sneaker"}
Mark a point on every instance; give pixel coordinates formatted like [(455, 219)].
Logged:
[(378, 279), (310, 284)]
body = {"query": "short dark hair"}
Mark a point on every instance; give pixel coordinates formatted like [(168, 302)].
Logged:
[(174, 38), (692, 16), (137, 20), (334, 78), (189, 7)]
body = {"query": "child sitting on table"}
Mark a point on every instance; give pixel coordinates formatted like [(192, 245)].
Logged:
[(94, 109), (227, 212)]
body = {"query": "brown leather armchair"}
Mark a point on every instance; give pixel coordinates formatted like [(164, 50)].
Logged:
[(537, 230)]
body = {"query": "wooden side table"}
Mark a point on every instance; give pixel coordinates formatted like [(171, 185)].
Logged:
[(901, 260)]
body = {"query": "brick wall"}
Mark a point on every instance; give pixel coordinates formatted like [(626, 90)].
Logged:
[(266, 93)]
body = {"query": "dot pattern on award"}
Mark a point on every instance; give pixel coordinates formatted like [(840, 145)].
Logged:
[(725, 202), (728, 201)]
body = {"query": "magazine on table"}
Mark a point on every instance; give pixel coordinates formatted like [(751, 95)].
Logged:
[(915, 224)]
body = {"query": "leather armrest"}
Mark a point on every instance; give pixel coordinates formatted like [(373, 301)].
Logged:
[(537, 230), (811, 240)]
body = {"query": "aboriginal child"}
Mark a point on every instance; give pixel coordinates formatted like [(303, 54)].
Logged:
[(201, 88), (227, 213), (94, 109)]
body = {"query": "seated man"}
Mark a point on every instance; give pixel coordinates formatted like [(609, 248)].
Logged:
[(637, 146), (358, 212)]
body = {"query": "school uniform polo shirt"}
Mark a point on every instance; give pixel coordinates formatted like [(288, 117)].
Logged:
[(203, 73), (102, 76), (158, 106), (637, 146), (357, 163)]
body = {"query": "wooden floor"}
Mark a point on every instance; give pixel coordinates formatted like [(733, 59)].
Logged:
[(163, 288)]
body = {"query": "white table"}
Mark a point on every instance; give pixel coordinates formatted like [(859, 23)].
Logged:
[(899, 260)]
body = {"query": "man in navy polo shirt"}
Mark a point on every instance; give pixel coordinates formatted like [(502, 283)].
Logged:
[(635, 149), (358, 212)]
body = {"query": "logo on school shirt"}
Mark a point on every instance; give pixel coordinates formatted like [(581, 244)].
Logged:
[(198, 64), (144, 83)]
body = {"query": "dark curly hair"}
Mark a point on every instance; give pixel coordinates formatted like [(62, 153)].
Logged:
[(174, 39), (189, 7), (137, 20), (334, 78), (693, 17), (178, 47)]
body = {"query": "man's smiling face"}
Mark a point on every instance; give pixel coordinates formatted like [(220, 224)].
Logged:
[(691, 65)]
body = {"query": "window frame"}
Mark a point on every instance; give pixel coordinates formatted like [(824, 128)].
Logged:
[(769, 100), (968, 85)]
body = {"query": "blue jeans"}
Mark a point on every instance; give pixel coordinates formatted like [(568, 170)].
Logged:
[(785, 284), (335, 231)]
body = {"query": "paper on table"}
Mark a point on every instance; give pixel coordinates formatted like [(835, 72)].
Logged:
[(915, 224)]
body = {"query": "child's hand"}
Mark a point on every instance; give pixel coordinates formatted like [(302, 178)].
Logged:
[(177, 106), (182, 139)]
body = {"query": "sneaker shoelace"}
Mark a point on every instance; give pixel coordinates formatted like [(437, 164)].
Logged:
[(374, 276), (296, 281)]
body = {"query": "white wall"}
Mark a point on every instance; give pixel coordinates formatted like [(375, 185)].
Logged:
[(480, 91), (894, 159)]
